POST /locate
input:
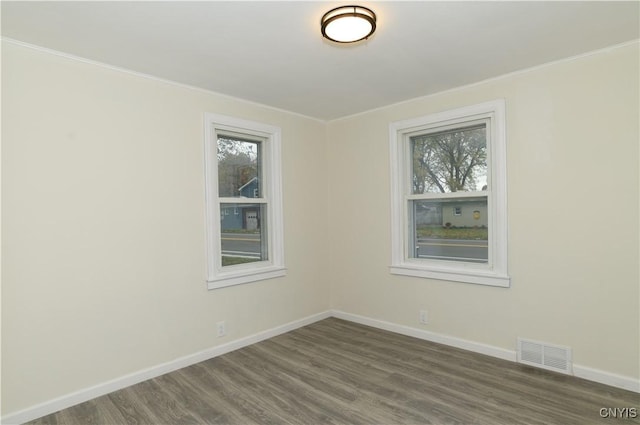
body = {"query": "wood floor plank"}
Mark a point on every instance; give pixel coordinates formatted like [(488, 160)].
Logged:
[(338, 372), (276, 384), (184, 392), (379, 400)]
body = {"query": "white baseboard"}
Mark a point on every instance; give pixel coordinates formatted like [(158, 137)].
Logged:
[(476, 347), (86, 394), (607, 378), (595, 375)]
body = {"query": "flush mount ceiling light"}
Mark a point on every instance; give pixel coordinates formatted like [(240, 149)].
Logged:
[(348, 24)]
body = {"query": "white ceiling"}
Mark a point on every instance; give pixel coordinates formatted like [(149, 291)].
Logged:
[(272, 52)]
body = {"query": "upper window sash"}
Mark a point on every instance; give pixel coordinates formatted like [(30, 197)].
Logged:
[(433, 131), (494, 272)]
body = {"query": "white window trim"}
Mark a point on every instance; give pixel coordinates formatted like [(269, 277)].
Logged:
[(493, 273), (218, 276)]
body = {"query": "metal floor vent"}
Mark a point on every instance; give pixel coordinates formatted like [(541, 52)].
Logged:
[(543, 355)]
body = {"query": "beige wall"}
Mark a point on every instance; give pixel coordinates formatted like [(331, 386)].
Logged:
[(103, 222), (572, 147), (103, 226)]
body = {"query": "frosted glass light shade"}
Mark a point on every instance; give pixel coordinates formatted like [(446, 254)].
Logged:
[(348, 24)]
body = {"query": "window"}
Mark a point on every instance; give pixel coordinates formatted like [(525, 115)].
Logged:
[(448, 175), (242, 175)]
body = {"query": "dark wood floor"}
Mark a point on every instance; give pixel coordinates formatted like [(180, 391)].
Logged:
[(337, 372)]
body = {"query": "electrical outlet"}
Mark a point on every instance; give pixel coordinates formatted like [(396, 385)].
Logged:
[(424, 317), (222, 328)]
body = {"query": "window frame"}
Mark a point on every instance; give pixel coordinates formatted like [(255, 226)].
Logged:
[(492, 273), (219, 276)]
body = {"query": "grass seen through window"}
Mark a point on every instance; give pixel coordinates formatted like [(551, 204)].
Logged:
[(449, 232)]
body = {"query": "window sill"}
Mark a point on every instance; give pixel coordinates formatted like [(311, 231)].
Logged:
[(479, 277), (238, 277)]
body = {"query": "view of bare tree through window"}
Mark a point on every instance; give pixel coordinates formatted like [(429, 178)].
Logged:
[(450, 161), (243, 235), (237, 165), (445, 162)]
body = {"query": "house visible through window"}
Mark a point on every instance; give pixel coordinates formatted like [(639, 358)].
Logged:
[(451, 161), (243, 184), (449, 195), (243, 239)]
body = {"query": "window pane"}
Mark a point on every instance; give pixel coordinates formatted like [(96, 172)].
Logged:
[(243, 233), (455, 229), (239, 162), (450, 161)]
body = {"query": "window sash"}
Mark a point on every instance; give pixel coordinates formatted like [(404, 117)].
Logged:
[(431, 131), (251, 246), (229, 178), (417, 245), (461, 124)]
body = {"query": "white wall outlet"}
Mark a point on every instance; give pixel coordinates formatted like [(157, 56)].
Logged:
[(221, 328), (424, 317)]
